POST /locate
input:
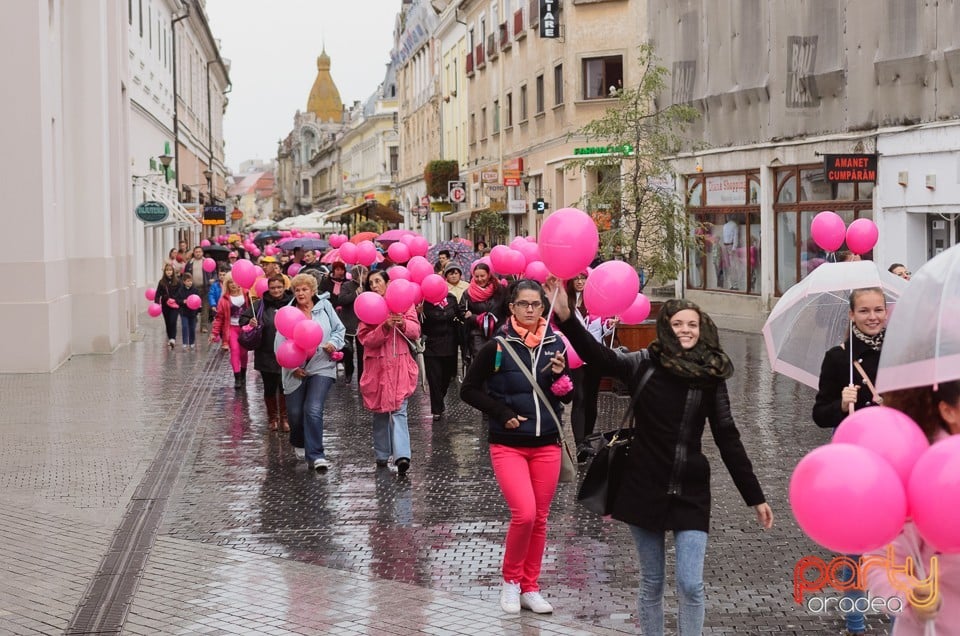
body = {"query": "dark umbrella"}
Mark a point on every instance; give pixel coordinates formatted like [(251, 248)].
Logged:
[(462, 255), (263, 237), (216, 252), (304, 243)]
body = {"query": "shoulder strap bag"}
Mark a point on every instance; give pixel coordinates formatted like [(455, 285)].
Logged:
[(602, 481), (251, 337), (568, 463)]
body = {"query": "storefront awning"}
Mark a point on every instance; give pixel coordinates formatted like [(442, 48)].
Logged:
[(463, 215), (374, 210)]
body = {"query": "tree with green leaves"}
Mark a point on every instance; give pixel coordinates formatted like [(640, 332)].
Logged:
[(639, 215), (490, 225)]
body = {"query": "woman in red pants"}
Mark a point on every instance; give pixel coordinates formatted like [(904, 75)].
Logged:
[(226, 328)]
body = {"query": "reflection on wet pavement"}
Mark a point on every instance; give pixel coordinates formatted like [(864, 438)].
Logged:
[(442, 526)]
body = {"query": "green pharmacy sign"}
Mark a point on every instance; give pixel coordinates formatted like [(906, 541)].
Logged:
[(152, 212), (625, 149)]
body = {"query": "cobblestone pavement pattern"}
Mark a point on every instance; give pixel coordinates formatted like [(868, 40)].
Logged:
[(251, 542)]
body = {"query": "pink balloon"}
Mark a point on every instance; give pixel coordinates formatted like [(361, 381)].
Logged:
[(836, 483), (284, 233), (637, 312), (485, 260), (193, 302), (209, 265), (286, 320), (172, 304), (336, 240), (418, 246), (255, 251), (260, 286), (270, 250), (398, 252), (289, 355), (568, 242), (434, 288), (417, 294), (862, 236), (887, 432), (934, 490), (407, 238), (366, 253), (530, 251), (150, 293), (204, 243), (308, 335), (400, 295), (537, 271), (371, 308), (573, 358), (498, 257), (244, 273), (611, 288), (399, 271), (294, 269), (348, 253), (154, 310), (828, 230), (419, 268), (259, 271)]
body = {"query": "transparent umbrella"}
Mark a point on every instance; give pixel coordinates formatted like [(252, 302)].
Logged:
[(922, 344), (812, 316)]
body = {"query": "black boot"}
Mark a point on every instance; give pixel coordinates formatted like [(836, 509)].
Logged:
[(237, 381), (243, 378)]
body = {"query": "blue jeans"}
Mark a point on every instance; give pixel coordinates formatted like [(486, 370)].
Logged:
[(188, 326), (305, 412), (855, 621), (691, 548), (391, 435)]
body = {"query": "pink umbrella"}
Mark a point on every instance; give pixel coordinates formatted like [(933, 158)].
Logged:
[(332, 256), (392, 236)]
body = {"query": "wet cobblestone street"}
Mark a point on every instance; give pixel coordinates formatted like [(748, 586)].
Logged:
[(245, 519)]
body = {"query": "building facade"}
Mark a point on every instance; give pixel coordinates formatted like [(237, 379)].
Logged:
[(417, 57), (68, 263), (532, 82), (798, 81)]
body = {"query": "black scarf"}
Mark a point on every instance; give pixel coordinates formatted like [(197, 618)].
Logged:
[(706, 361), (874, 342)]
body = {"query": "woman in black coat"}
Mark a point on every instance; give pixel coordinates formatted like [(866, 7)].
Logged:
[(166, 294), (679, 384), (264, 359), (441, 323), (484, 307)]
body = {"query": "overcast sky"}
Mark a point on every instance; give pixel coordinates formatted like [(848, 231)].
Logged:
[(273, 47)]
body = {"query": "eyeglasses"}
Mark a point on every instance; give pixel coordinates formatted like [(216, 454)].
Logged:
[(523, 304)]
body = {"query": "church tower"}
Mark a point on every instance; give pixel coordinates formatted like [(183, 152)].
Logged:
[(324, 101)]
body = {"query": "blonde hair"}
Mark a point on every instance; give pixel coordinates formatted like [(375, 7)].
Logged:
[(227, 281), (304, 279)]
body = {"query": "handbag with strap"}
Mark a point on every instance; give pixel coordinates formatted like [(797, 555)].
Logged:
[(568, 463), (251, 337), (602, 481), (416, 350)]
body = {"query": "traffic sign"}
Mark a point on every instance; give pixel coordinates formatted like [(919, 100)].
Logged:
[(456, 191)]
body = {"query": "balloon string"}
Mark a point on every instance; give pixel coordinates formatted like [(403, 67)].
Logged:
[(553, 301)]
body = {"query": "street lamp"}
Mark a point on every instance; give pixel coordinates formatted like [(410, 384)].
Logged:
[(165, 160)]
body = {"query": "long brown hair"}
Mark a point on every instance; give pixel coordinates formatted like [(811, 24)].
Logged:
[(923, 405)]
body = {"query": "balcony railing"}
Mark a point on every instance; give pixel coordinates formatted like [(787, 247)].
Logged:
[(470, 64), (518, 30), (505, 41)]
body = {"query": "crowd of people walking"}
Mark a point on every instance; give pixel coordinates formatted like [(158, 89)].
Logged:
[(509, 342)]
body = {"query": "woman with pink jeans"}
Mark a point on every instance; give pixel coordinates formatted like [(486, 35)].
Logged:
[(226, 328), (524, 433)]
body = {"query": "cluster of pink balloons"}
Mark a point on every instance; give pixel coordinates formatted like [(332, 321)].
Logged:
[(303, 336), (878, 469), (245, 273), (154, 309), (829, 232)]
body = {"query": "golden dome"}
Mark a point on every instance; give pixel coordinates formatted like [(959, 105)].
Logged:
[(324, 99)]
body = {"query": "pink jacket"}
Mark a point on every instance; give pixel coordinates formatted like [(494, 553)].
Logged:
[(907, 543), (389, 371)]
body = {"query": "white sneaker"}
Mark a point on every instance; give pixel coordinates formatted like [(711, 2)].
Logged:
[(299, 452), (321, 465), (510, 597), (535, 603), (171, 342)]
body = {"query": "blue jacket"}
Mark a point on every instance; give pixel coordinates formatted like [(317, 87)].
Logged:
[(504, 392)]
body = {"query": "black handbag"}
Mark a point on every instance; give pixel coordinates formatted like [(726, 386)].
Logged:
[(250, 338), (602, 481)]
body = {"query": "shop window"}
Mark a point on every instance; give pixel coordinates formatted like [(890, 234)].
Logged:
[(602, 76), (814, 186), (695, 194)]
